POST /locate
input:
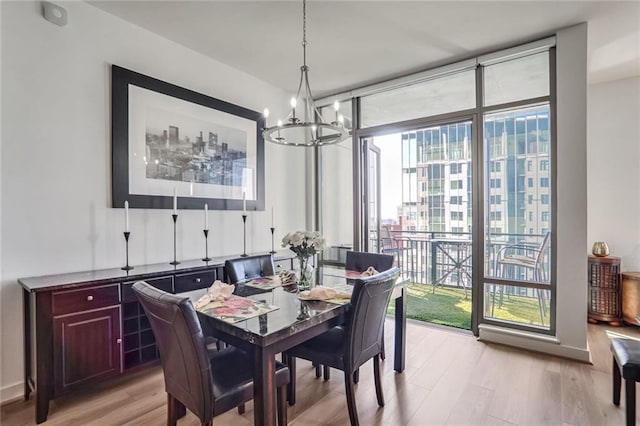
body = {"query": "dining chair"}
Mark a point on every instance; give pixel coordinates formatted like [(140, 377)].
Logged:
[(347, 347), (360, 261), (529, 258), (246, 268), (208, 383)]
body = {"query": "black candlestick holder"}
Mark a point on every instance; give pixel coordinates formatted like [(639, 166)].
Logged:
[(206, 257), (127, 267), (272, 247), (175, 219), (244, 236)]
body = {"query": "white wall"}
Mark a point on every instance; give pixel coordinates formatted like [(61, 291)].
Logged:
[(56, 156), (571, 206), (337, 193), (613, 164)]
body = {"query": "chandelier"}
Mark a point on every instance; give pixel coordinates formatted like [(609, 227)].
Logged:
[(315, 131)]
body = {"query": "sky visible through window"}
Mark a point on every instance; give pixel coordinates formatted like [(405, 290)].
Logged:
[(390, 175)]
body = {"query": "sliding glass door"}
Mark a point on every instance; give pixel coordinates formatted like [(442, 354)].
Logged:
[(423, 180), (371, 211)]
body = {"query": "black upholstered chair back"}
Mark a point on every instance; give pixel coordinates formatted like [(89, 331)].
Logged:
[(360, 261), (365, 324), (246, 268), (187, 371)]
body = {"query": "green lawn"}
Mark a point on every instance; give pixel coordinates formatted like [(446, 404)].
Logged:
[(448, 306)]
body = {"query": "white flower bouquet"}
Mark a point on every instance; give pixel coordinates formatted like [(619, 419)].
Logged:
[(304, 244)]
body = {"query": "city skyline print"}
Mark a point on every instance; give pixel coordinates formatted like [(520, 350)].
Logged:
[(185, 149)]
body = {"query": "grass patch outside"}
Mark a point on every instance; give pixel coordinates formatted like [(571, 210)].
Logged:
[(448, 306)]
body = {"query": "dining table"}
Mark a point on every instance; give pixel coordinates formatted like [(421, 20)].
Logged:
[(281, 320)]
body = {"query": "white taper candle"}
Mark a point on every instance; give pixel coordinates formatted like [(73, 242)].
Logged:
[(126, 216), (206, 216), (175, 200), (244, 203)]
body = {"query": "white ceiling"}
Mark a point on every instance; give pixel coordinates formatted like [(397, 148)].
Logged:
[(354, 43)]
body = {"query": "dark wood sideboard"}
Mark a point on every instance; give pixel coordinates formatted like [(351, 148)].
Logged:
[(89, 326)]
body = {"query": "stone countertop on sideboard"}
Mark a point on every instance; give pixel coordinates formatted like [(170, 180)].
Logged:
[(77, 279)]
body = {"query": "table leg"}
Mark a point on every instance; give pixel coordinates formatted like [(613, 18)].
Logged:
[(401, 331), (264, 399)]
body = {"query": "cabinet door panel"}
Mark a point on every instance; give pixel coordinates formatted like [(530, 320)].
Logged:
[(86, 347)]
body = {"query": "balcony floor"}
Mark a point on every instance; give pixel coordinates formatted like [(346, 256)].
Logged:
[(449, 306)]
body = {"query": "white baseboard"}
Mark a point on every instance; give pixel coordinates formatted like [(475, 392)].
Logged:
[(11, 393), (532, 341)]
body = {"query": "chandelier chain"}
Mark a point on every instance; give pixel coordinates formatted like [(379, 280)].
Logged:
[(304, 32)]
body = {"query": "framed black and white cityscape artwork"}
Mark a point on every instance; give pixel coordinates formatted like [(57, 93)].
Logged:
[(166, 138)]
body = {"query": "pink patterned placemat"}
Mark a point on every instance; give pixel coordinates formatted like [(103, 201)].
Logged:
[(236, 309), (352, 274), (265, 283)]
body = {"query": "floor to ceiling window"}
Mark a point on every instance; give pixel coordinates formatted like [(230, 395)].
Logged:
[(517, 183), (473, 161)]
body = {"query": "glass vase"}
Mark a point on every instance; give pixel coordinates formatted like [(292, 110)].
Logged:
[(306, 274)]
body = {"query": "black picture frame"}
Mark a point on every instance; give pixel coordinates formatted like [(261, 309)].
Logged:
[(121, 80)]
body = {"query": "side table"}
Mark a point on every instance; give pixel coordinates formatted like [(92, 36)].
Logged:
[(631, 297), (604, 289)]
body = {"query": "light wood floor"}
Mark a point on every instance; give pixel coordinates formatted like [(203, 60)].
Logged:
[(450, 379)]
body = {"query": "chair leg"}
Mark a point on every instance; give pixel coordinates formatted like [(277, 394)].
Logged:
[(356, 376), (617, 382), (382, 353), (318, 370), (540, 305), (376, 376), (241, 408), (282, 405), (351, 399), (291, 386), (326, 372), (173, 410), (181, 409), (630, 401)]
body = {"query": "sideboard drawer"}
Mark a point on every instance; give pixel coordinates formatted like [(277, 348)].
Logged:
[(66, 302), (162, 283), (194, 281)]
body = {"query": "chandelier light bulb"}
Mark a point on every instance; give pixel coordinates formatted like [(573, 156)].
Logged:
[(293, 109), (279, 123), (336, 106), (341, 119), (266, 113)]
